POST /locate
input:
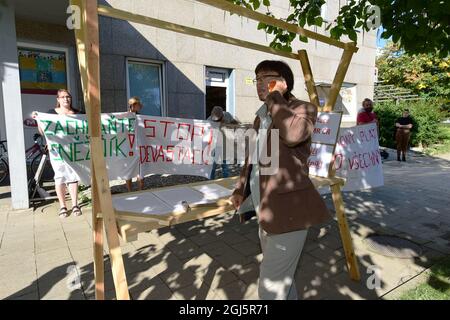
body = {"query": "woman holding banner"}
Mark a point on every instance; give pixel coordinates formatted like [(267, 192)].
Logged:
[(135, 106), (65, 177)]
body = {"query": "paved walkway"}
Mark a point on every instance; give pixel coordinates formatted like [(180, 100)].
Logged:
[(218, 258)]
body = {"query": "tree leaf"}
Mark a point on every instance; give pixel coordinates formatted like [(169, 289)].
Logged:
[(318, 21), (352, 35)]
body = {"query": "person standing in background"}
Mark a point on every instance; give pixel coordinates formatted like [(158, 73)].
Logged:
[(223, 118), (366, 115), (135, 106), (403, 133)]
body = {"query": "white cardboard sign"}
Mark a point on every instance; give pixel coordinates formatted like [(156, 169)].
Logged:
[(357, 157), (327, 127)]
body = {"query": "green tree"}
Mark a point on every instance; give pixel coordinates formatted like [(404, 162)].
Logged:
[(417, 26), (424, 74)]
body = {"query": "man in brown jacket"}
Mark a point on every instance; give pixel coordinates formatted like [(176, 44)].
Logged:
[(286, 201)]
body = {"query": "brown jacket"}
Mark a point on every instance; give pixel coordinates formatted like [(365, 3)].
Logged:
[(289, 200)]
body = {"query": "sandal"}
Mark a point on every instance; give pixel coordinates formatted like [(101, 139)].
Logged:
[(76, 211), (63, 213)]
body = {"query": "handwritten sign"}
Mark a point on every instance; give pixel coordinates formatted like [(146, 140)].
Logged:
[(357, 157), (175, 146), (327, 127), (320, 159), (68, 142), (324, 138)]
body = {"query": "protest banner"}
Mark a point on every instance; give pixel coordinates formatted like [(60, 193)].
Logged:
[(68, 142), (175, 146), (357, 157)]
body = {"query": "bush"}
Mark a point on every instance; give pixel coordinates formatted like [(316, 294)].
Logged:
[(426, 116)]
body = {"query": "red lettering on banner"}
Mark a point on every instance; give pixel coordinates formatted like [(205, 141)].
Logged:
[(160, 154), (346, 139), (143, 154), (180, 125), (315, 164), (314, 151), (154, 152), (165, 126), (198, 135), (186, 154), (338, 159), (364, 160), (372, 134), (148, 126), (194, 152), (169, 152), (316, 130), (322, 120), (326, 131)]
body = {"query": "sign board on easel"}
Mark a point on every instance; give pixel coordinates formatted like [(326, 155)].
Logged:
[(323, 143)]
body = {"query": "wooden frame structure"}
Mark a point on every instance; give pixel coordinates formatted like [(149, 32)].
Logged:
[(103, 213)]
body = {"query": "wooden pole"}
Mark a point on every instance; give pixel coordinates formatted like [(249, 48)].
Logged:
[(128, 16), (100, 175), (352, 263), (97, 228), (97, 223), (309, 79), (338, 79)]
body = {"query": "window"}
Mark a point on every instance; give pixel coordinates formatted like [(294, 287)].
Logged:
[(145, 80)]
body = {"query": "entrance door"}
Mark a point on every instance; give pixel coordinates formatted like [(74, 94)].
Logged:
[(215, 96), (219, 90)]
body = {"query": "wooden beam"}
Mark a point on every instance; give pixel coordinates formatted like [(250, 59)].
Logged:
[(97, 230), (124, 15), (352, 263), (232, 8), (338, 79), (100, 177), (309, 79), (97, 224), (80, 39)]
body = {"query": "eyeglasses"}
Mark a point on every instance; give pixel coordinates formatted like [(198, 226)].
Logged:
[(65, 97), (260, 79)]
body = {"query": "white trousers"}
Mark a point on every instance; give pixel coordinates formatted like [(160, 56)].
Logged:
[(281, 253)]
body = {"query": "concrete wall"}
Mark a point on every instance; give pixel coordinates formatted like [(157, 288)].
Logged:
[(10, 91)]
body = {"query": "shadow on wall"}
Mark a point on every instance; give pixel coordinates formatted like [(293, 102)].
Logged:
[(119, 40)]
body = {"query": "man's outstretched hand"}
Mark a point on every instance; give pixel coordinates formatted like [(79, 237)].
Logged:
[(237, 200)]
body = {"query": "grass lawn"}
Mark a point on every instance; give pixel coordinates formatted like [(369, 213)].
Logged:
[(437, 286), (444, 145)]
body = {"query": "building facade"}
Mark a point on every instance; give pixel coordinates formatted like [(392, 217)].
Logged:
[(175, 75)]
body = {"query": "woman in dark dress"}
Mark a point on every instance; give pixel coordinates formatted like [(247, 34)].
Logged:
[(403, 133)]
